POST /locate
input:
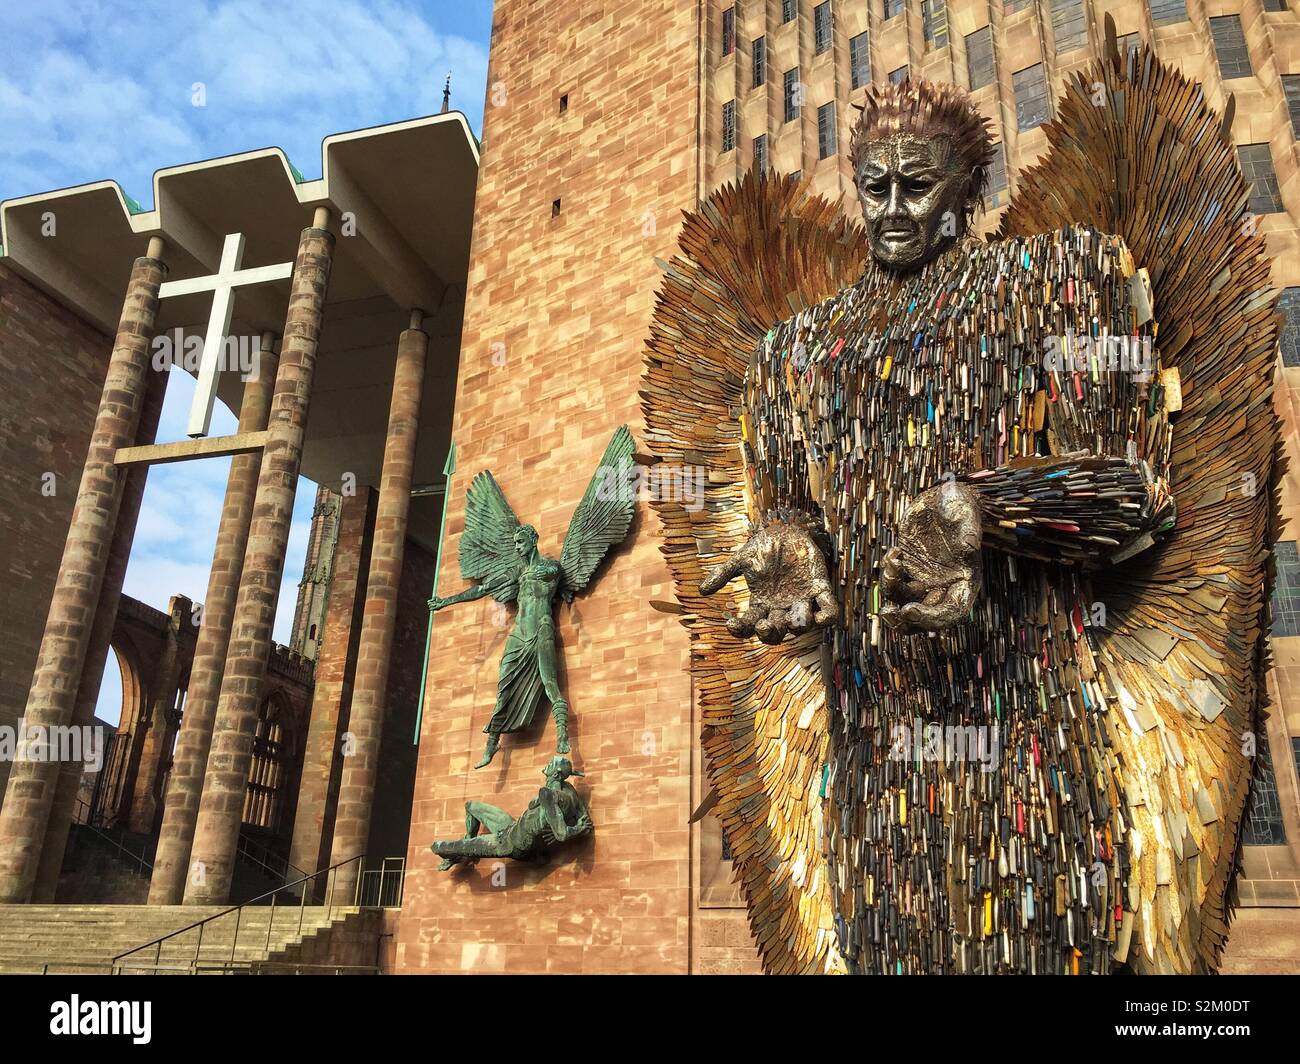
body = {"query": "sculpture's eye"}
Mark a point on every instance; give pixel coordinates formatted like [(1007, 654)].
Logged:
[(919, 186), (879, 188)]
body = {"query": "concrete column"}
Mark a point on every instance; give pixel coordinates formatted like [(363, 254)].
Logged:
[(63, 809), (181, 802), (29, 796), (313, 822), (221, 804), (366, 719)]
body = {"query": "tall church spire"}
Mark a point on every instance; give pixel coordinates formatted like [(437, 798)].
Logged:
[(446, 94)]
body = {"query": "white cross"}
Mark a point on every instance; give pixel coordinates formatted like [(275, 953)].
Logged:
[(222, 285)]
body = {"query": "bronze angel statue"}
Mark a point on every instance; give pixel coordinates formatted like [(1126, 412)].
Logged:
[(979, 610), (501, 555)]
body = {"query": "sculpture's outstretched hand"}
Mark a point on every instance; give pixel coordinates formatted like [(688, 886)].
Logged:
[(932, 575), (788, 587)]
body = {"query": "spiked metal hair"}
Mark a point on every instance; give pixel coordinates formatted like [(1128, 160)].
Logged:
[(924, 109)]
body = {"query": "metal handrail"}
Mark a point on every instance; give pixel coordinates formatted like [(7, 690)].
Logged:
[(392, 871), (283, 968), (245, 849), (139, 858), (330, 873)]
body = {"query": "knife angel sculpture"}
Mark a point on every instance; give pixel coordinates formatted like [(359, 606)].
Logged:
[(978, 601), (501, 555)]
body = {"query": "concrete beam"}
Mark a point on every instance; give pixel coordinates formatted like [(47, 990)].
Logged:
[(379, 246), (184, 450)]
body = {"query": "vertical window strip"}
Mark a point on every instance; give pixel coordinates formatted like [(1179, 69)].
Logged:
[(1230, 47)]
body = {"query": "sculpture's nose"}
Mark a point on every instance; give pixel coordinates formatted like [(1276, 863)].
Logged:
[(894, 208)]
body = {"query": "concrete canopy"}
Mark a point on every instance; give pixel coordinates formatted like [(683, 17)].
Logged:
[(402, 201)]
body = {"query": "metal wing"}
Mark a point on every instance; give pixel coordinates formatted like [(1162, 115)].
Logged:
[(1152, 163), (602, 517), (487, 551), (752, 255)]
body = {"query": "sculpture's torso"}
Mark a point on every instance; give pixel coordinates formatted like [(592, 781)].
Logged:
[(997, 856), (538, 583)]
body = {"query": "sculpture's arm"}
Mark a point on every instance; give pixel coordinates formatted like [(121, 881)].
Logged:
[(782, 562), (1084, 509), (1080, 509), (474, 591)]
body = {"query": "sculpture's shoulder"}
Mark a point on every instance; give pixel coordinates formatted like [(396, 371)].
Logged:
[(817, 322), (1060, 252), (545, 568)]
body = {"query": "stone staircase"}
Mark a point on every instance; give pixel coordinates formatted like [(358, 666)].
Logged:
[(83, 939)]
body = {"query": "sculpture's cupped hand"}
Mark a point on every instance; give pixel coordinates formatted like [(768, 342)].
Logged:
[(930, 578), (789, 591)]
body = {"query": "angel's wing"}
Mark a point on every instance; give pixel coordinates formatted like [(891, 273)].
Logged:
[(1184, 648), (602, 517), (750, 257), (487, 551)]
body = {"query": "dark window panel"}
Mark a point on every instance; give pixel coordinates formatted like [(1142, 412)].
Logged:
[(1291, 87), (1264, 825), (899, 75), (826, 139), (860, 60), (1164, 12), (1230, 47), (893, 7), (760, 153), (997, 171), (728, 125), (1030, 88), (1288, 306), (789, 10), (979, 57), (1286, 589), (822, 19), (1069, 30), (1257, 168), (934, 23), (728, 31), (792, 94), (760, 61)]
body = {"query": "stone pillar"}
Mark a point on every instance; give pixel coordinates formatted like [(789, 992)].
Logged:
[(221, 804), (190, 760), (313, 822), (366, 719), (29, 796), (63, 809)]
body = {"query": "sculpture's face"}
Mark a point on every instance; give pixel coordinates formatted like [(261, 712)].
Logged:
[(558, 768), (913, 194), (525, 540)]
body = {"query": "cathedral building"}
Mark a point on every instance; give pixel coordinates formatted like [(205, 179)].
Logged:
[(430, 309)]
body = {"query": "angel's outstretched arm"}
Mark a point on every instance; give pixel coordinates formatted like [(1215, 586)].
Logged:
[(506, 593)]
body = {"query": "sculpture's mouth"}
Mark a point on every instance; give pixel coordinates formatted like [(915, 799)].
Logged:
[(898, 239)]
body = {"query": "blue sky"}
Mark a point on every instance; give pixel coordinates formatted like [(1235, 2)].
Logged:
[(97, 89)]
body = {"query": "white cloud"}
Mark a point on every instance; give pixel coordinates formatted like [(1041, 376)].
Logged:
[(92, 91)]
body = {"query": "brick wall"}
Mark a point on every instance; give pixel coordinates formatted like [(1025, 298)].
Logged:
[(556, 317), (52, 366)]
